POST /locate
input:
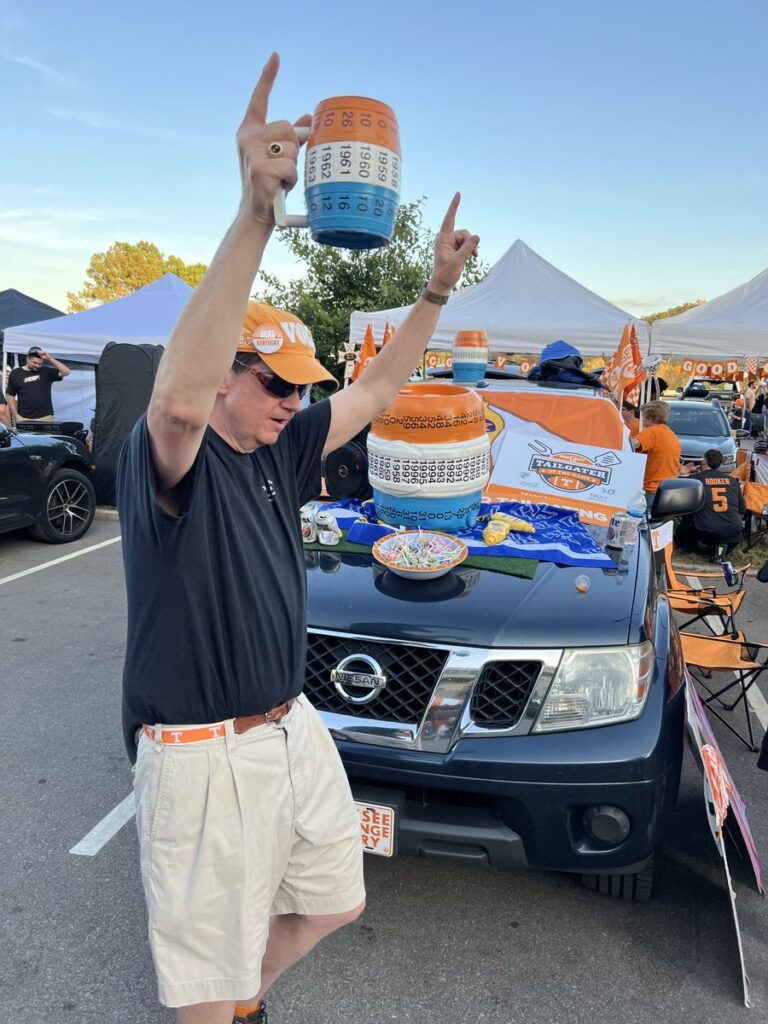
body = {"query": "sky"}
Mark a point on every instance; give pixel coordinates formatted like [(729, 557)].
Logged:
[(625, 143)]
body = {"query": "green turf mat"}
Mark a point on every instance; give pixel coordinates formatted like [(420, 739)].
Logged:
[(522, 567)]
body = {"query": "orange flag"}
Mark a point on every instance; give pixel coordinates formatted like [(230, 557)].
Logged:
[(366, 354), (632, 387), (625, 370)]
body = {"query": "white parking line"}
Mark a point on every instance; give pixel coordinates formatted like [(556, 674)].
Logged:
[(58, 561), (101, 834)]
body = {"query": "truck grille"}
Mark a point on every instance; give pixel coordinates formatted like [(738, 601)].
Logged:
[(412, 674), (502, 692)]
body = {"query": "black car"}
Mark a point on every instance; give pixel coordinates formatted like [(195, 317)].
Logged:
[(45, 486), (460, 730)]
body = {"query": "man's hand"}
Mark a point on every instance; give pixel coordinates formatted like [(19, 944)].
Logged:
[(452, 250), (261, 174)]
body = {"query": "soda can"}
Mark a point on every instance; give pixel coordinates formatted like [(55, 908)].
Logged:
[(328, 530), (728, 573), (308, 524), (618, 530)]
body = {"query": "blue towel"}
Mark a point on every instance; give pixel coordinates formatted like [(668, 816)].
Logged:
[(560, 535)]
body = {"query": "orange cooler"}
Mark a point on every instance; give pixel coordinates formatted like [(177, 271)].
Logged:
[(429, 457)]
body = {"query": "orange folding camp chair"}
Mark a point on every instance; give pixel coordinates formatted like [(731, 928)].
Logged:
[(699, 603), (740, 658), (674, 583)]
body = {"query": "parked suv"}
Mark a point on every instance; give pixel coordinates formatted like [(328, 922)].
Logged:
[(45, 485), (701, 426), (452, 705)]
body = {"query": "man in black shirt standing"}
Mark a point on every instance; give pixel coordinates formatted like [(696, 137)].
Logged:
[(29, 386), (720, 520), (250, 843)]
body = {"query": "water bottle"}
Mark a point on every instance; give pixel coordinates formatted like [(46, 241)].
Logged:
[(636, 512)]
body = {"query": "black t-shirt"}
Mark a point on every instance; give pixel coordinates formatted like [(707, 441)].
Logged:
[(723, 508), (32, 390), (217, 594)]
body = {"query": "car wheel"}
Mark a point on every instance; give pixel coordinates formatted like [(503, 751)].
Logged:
[(637, 886), (68, 508)]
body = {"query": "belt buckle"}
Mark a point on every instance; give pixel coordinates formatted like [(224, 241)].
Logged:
[(270, 716)]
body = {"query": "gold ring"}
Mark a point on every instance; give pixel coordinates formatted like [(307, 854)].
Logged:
[(275, 149)]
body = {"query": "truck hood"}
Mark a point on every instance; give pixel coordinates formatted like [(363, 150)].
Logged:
[(351, 593)]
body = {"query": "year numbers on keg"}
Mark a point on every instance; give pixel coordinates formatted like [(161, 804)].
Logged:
[(345, 159), (325, 162), (364, 168)]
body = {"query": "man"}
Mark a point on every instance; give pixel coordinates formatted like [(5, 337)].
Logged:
[(720, 520), (29, 386), (631, 422), (250, 843), (660, 445), (749, 404)]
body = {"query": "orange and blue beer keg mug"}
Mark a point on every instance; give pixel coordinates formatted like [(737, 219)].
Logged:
[(470, 356), (429, 457), (351, 175)]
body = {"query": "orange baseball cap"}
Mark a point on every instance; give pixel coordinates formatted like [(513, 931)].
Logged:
[(284, 343)]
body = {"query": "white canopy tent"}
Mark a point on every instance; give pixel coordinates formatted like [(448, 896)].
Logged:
[(145, 317), (734, 324), (523, 305)]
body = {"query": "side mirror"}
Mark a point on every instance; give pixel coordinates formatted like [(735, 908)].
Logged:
[(742, 433), (679, 391), (5, 436), (677, 498)]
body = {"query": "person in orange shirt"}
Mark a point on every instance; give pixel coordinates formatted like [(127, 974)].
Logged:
[(660, 446)]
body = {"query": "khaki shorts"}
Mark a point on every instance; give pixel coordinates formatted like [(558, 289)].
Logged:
[(232, 831)]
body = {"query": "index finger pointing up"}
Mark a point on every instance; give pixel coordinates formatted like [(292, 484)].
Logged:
[(449, 220), (257, 108)]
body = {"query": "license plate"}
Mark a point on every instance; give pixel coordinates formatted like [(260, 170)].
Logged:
[(377, 824)]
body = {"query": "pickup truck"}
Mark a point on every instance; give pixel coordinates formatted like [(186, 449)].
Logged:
[(451, 702)]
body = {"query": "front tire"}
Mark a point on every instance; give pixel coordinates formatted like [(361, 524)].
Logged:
[(637, 887), (68, 508)]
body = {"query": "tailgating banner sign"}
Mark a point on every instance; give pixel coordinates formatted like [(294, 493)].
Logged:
[(594, 481), (725, 368)]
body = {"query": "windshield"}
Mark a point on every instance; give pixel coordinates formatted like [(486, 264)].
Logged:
[(721, 387), (698, 421)]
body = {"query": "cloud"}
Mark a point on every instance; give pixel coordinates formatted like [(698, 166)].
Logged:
[(71, 230), (90, 120), (26, 60), (101, 122)]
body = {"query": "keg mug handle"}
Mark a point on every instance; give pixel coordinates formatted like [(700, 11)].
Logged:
[(290, 220)]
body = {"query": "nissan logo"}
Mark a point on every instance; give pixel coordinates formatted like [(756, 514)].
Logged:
[(372, 680)]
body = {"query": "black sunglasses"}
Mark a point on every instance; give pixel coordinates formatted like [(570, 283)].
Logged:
[(273, 384)]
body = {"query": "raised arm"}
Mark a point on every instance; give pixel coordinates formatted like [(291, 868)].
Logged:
[(63, 371), (203, 343), (356, 405)]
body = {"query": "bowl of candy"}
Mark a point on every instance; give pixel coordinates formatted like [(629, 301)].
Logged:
[(420, 554)]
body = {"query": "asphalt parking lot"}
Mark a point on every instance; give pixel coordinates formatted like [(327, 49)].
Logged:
[(438, 942)]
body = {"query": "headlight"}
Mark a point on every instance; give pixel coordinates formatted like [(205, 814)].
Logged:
[(597, 686)]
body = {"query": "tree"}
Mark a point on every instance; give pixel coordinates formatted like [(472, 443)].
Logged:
[(674, 310), (338, 281), (125, 267)]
